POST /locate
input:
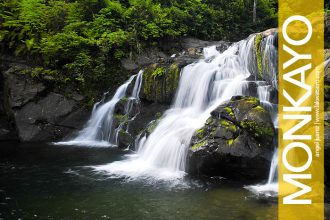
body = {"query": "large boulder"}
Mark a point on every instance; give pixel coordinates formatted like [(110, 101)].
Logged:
[(37, 113), (235, 142), (19, 88), (47, 119)]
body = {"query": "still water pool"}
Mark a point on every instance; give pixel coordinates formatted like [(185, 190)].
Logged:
[(41, 181)]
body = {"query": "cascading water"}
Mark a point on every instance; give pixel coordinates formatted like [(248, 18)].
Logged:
[(271, 187), (269, 66), (270, 59), (99, 130), (202, 87)]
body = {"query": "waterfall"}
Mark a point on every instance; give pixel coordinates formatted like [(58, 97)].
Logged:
[(272, 178), (269, 63), (99, 130), (202, 87), (270, 59)]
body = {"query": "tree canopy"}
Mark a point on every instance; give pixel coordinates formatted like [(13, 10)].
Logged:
[(79, 39)]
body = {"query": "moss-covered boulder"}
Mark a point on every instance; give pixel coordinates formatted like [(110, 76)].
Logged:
[(235, 142), (160, 83)]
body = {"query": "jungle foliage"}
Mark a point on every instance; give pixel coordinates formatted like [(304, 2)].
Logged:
[(82, 40)]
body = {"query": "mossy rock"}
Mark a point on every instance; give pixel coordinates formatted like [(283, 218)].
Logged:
[(237, 134), (160, 82), (257, 42)]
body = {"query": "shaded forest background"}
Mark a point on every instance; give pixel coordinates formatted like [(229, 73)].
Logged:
[(80, 43)]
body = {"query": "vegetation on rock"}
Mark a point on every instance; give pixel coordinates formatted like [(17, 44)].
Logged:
[(257, 42), (160, 82)]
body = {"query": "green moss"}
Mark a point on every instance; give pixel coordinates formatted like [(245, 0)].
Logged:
[(228, 125), (230, 141), (257, 42), (259, 108), (200, 130), (326, 123), (224, 123), (200, 133), (230, 112), (256, 129), (160, 71), (326, 89), (209, 121), (196, 146), (124, 99), (252, 100), (158, 115), (233, 128), (160, 83), (172, 79), (120, 117), (147, 82), (152, 125)]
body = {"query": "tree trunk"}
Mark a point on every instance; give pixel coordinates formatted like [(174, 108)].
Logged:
[(254, 11)]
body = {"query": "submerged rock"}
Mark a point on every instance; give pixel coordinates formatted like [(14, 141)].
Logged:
[(235, 142)]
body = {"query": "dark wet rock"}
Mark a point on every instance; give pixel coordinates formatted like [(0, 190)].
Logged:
[(188, 42), (35, 113), (136, 123), (148, 112), (129, 64), (145, 58), (7, 129), (127, 106), (235, 142), (47, 119), (20, 89), (124, 139)]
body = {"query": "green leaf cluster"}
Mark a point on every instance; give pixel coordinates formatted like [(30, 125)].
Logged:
[(84, 40)]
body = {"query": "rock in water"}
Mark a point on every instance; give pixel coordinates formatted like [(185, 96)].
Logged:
[(235, 142), (124, 139)]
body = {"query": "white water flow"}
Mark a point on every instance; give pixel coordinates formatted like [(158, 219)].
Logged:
[(202, 87), (263, 92), (270, 59), (99, 129)]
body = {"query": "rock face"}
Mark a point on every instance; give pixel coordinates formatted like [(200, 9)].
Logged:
[(37, 113), (235, 142), (262, 68), (134, 122), (160, 83)]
